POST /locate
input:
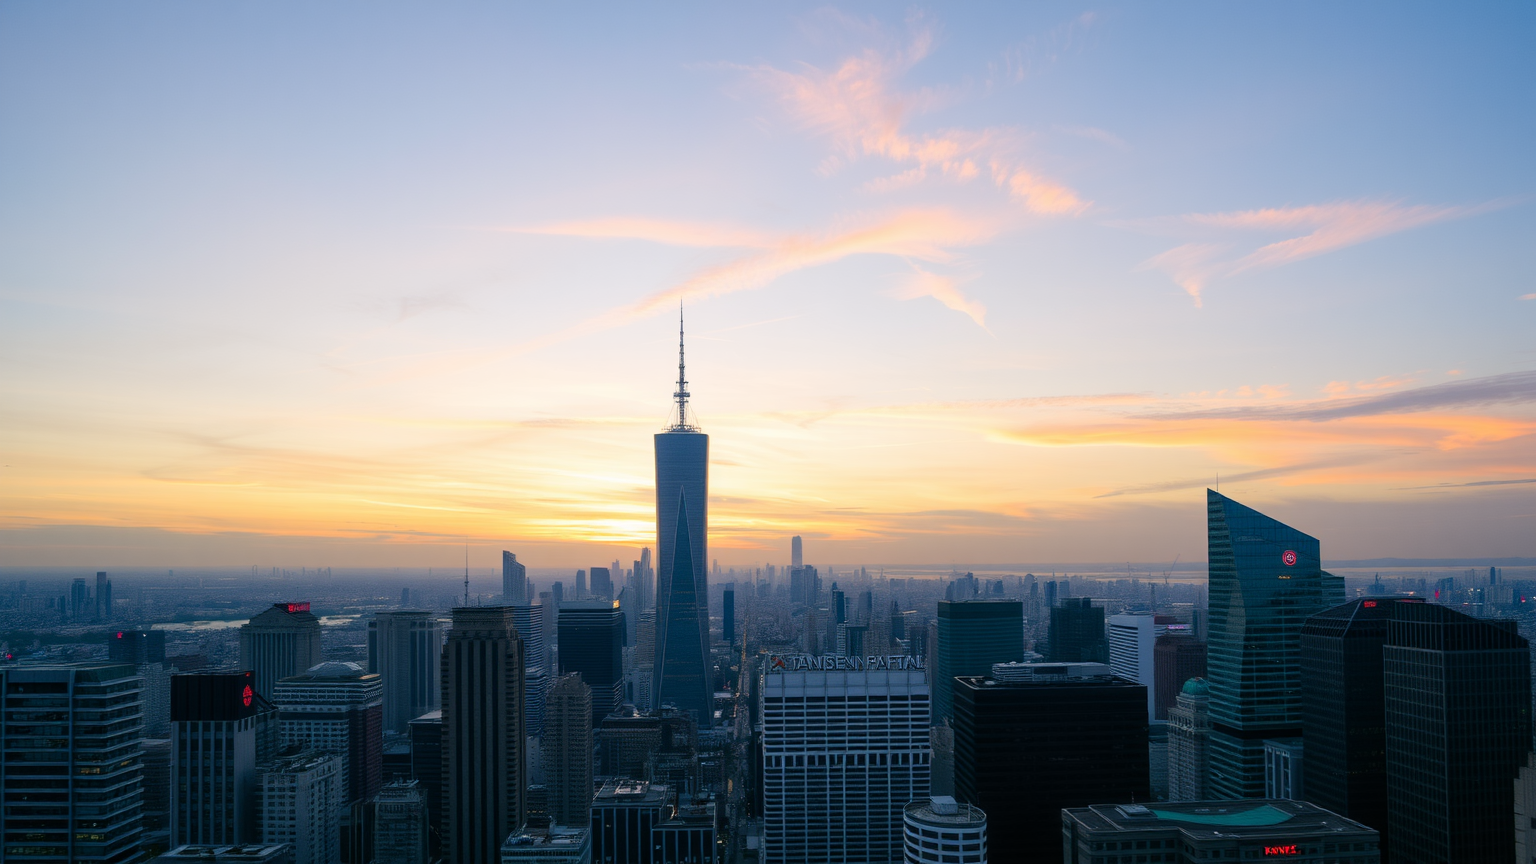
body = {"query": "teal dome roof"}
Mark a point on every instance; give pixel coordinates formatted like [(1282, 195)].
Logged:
[(1196, 687)]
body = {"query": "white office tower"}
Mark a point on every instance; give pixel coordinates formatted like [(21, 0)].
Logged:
[(844, 751), (941, 830), (300, 804), (1131, 639)]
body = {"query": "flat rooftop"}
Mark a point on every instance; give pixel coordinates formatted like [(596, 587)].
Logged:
[(1256, 817)]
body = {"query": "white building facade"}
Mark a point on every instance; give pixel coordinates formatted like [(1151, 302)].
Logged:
[(1131, 640), (845, 749)]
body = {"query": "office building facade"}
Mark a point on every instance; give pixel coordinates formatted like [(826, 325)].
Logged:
[(69, 743), (591, 643), (1176, 658), (973, 635), (337, 708), (1132, 643), (514, 580), (1265, 582), (1071, 735), (278, 643), (625, 812), (485, 771), (427, 771), (1195, 832), (941, 830), (843, 752), (1189, 734), (300, 803), (404, 650), (221, 731), (567, 751), (396, 821), (1077, 632)]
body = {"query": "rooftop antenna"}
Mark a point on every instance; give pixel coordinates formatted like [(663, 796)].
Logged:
[(681, 395), (466, 574)]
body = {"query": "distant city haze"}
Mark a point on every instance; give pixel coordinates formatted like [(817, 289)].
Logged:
[(327, 287)]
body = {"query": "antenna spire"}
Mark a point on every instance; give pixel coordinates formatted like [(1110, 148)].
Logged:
[(681, 395), (466, 574)]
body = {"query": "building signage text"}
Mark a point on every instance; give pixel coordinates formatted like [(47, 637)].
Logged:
[(831, 663)]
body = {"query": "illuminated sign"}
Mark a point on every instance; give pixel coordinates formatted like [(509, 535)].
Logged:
[(247, 695), (119, 634), (1289, 557), (1369, 604), (807, 663), (296, 607), (1281, 850)]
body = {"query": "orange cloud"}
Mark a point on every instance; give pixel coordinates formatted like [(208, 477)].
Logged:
[(944, 289)]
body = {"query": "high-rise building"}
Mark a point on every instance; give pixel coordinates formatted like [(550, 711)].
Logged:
[(602, 583), (1132, 640), (1265, 582), (842, 754), (221, 730), (1175, 659), (535, 693), (1077, 632), (529, 620), (728, 617), (690, 835), (103, 597), (567, 750), (404, 650), (485, 770), (1189, 732), (136, 646), (514, 580), (280, 642), (556, 845), (1343, 713), (1525, 811), (427, 771), (1071, 735), (591, 642), (396, 822), (681, 668), (337, 708), (79, 600), (300, 804), (973, 634), (796, 551), (941, 830), (69, 743), (1458, 711), (624, 813), (1197, 832)]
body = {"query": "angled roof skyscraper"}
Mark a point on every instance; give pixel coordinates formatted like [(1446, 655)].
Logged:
[(682, 541)]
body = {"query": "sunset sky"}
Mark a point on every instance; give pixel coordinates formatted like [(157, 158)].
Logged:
[(354, 284)]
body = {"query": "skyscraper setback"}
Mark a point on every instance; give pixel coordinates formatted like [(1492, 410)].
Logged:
[(682, 587)]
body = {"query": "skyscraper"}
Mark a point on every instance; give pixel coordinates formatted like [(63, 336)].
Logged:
[(1458, 709), (514, 580), (71, 786), (728, 617), (1175, 659), (1189, 732), (1077, 632), (843, 752), (485, 771), (282, 641), (682, 539), (796, 552), (567, 750), (404, 650), (1265, 582), (601, 583), (1070, 735), (1132, 639), (300, 803), (103, 597), (337, 708), (973, 635), (221, 730), (592, 642)]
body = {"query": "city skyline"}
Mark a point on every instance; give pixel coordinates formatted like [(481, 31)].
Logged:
[(964, 284)]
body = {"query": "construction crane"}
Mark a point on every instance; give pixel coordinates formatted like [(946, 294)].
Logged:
[(1170, 568)]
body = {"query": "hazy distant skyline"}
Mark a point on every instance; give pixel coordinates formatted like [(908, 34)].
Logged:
[(354, 285)]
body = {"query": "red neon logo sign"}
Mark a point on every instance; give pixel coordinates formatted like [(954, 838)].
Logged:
[(1369, 604), (119, 634), (1280, 850), (1289, 557), (247, 695), (296, 607)]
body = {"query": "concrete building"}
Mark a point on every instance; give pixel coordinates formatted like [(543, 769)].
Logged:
[(396, 825), (624, 812), (404, 650), (691, 835), (1194, 832), (255, 853), (567, 750), (281, 642), (485, 769), (1189, 733), (1176, 658), (941, 830), (556, 845), (1283, 768), (843, 751), (221, 730), (1132, 643), (339, 709), (299, 797), (71, 786)]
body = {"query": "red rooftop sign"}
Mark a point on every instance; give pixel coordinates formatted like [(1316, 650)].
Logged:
[(1270, 851), (296, 607)]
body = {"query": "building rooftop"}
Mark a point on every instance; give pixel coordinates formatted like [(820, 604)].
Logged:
[(626, 791), (554, 838), (1248, 818), (942, 810), (1196, 687)]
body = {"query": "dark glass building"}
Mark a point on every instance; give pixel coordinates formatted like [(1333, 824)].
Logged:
[(1265, 582), (1069, 736), (1077, 632), (1175, 659), (728, 617), (591, 640), (1458, 709), (681, 668), (136, 646), (974, 634), (427, 771), (1343, 715), (514, 580)]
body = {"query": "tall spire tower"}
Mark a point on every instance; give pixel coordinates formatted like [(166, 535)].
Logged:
[(682, 543)]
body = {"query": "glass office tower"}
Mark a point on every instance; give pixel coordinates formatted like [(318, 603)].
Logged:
[(973, 635), (1265, 581), (681, 673)]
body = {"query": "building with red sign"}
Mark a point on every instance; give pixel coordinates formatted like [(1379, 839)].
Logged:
[(1197, 831), (280, 642)]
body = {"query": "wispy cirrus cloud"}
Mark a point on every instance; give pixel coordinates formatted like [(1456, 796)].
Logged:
[(860, 108), (1322, 228)]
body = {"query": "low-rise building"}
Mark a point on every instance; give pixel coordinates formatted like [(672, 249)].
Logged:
[(941, 830), (558, 845), (256, 853), (1188, 832)]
